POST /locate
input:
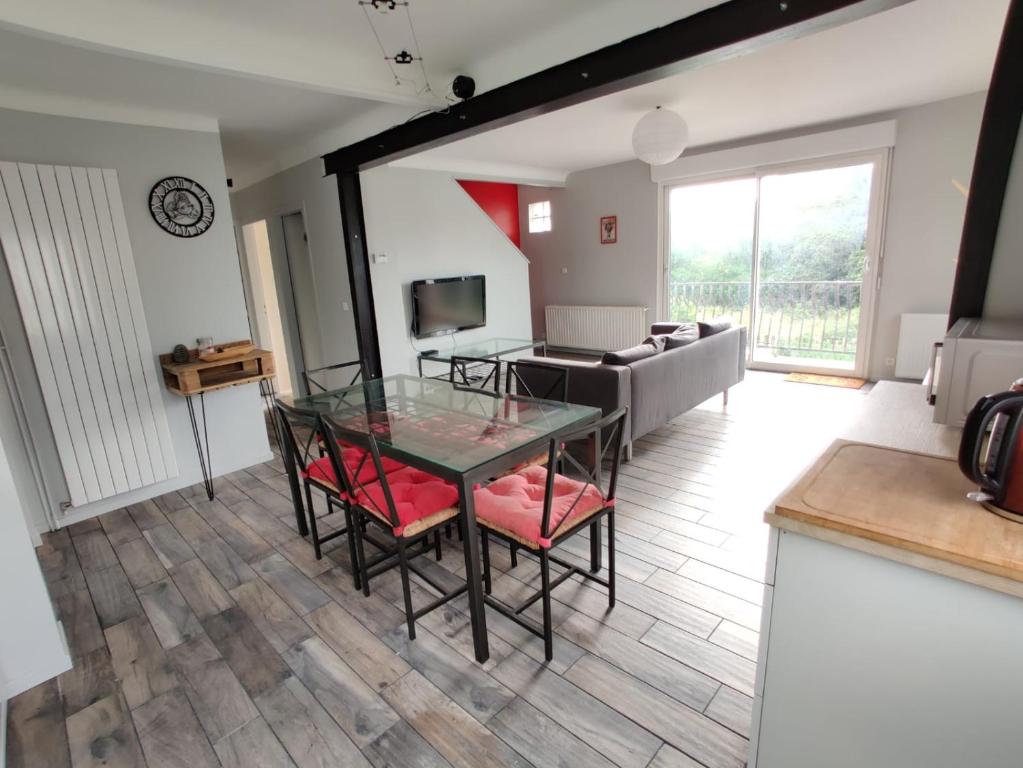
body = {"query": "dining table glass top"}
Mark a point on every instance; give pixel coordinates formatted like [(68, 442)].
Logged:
[(487, 348), (445, 424)]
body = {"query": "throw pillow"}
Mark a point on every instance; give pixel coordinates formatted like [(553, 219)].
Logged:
[(718, 324), (687, 333), (630, 355)]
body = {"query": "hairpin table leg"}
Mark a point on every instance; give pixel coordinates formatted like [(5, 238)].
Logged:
[(202, 443), (266, 389)]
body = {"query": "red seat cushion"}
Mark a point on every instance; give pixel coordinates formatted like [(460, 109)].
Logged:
[(417, 495), (323, 471), (513, 504)]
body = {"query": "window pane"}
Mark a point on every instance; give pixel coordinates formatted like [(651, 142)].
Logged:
[(540, 216)]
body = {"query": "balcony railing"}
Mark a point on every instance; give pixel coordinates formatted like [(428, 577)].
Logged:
[(810, 319)]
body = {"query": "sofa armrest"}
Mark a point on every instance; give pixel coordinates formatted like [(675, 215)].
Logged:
[(608, 387)]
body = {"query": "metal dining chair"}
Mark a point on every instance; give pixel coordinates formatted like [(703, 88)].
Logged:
[(544, 381), (537, 509), (320, 373), (410, 506)]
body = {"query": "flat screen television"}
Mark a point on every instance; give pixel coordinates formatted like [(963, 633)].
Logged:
[(448, 304)]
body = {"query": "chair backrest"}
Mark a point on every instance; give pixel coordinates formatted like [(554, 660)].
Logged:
[(339, 439), (475, 373), (316, 377), (540, 380), (601, 438), (301, 431)]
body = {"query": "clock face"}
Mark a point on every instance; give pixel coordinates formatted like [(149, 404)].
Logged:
[(181, 206)]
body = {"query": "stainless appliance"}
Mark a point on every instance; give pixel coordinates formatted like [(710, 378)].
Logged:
[(991, 453)]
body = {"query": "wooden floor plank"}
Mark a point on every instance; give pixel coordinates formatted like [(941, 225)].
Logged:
[(369, 655), (81, 623), (280, 625), (699, 737), (720, 664), (588, 718), (89, 680), (541, 740), (349, 700), (36, 737), (709, 599), (732, 709), (462, 741), (297, 590), (219, 701), (736, 639), (147, 514), (252, 746), (112, 596), (401, 745), (119, 526), (61, 570), (139, 661), (172, 619), (200, 589), (170, 734), (224, 563), (168, 545), (308, 733), (94, 551), (102, 735), (254, 661), (140, 563)]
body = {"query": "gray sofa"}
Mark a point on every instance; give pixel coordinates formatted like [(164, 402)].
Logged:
[(656, 389)]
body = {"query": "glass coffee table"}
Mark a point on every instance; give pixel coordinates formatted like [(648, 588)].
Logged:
[(489, 349)]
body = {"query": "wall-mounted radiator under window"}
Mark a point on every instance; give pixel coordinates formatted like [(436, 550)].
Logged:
[(600, 329), (65, 239)]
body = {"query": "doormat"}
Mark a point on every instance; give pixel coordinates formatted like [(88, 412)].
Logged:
[(846, 382)]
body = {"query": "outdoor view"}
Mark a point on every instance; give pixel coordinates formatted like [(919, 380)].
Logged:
[(811, 232)]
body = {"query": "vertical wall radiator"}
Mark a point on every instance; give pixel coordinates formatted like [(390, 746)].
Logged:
[(599, 329), (917, 336), (65, 240)]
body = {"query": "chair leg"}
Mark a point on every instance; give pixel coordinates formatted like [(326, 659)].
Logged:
[(360, 551), (436, 545), (611, 558), (596, 550), (545, 586), (447, 530), (353, 558), (513, 549), (313, 533), (406, 589), (485, 538)]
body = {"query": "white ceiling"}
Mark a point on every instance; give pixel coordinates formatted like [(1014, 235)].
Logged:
[(923, 51), (287, 80)]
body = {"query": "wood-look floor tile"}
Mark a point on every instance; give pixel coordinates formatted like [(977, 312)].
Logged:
[(590, 719), (102, 735), (736, 639), (254, 661), (89, 680), (349, 700), (376, 613), (62, 572), (369, 655), (308, 733), (200, 589), (147, 514), (296, 589), (140, 563), (139, 661), (224, 563), (698, 736), (77, 529), (248, 544), (669, 757), (112, 596), (539, 739), (119, 526), (401, 745), (170, 734), (732, 709), (81, 624), (172, 619), (94, 551), (219, 701), (191, 526), (280, 625), (168, 545), (724, 666), (252, 746), (36, 737)]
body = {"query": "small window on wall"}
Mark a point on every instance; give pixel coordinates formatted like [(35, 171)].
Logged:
[(540, 216)]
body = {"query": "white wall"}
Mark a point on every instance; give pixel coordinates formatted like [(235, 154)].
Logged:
[(190, 287), (304, 188), (935, 143), (1005, 285), (31, 646), (429, 227)]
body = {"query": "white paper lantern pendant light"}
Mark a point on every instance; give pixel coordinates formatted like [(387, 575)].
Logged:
[(659, 137)]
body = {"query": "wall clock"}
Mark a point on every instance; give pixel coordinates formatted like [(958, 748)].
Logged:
[(181, 206)]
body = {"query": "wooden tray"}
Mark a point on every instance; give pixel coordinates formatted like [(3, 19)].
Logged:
[(227, 351), (199, 375)]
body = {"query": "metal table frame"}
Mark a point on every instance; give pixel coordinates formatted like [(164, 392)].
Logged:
[(444, 356)]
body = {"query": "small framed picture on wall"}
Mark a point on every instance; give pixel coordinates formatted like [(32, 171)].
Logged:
[(608, 230)]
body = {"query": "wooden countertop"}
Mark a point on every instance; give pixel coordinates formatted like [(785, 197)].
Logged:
[(905, 506)]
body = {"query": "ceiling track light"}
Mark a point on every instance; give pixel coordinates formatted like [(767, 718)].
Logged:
[(403, 57), (384, 5)]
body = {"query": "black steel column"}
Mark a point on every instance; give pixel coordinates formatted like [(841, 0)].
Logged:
[(354, 225)]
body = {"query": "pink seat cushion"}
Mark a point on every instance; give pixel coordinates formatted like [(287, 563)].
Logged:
[(416, 495), (514, 503), (323, 471)]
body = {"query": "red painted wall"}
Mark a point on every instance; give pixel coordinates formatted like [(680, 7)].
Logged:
[(500, 201)]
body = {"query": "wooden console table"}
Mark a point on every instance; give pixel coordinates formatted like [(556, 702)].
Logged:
[(197, 377)]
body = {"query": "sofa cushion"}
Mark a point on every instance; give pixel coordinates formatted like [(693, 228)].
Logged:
[(685, 334), (710, 327), (632, 354)]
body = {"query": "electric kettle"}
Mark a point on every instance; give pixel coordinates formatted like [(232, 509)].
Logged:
[(991, 453)]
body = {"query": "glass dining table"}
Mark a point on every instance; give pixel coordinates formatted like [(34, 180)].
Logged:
[(458, 433)]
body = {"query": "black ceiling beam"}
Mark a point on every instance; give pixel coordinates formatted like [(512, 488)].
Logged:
[(730, 29), (996, 145)]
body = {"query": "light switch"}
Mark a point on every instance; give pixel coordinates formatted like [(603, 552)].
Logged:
[(564, 270), (344, 306), (380, 258)]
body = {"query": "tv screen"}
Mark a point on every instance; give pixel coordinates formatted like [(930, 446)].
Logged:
[(447, 305)]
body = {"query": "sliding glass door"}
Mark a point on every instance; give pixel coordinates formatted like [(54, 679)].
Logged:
[(789, 252)]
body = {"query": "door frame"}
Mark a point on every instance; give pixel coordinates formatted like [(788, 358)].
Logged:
[(873, 266)]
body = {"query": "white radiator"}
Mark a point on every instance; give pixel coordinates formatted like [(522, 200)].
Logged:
[(917, 336), (65, 240), (601, 329)]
